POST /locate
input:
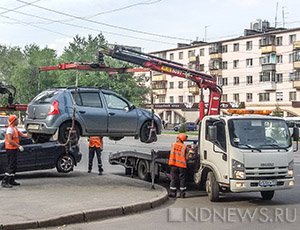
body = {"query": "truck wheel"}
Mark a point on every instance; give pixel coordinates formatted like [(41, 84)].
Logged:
[(145, 133), (267, 195), (143, 171), (64, 132), (212, 187), (65, 164)]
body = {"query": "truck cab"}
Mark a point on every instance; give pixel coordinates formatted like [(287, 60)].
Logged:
[(245, 154)]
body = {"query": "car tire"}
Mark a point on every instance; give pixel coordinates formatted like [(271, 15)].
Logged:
[(64, 132), (212, 187), (267, 195), (65, 164), (145, 133), (40, 138), (143, 171)]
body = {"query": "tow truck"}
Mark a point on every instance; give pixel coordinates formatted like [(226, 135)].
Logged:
[(246, 151)]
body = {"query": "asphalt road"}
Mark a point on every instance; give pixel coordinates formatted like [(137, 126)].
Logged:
[(235, 211)]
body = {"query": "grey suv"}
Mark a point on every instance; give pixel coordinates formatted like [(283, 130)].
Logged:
[(98, 112)]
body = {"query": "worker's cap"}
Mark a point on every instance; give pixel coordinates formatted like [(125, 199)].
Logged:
[(12, 119), (182, 137)]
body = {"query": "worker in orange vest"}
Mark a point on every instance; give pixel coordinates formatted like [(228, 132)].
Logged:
[(95, 146), (12, 147), (177, 162)]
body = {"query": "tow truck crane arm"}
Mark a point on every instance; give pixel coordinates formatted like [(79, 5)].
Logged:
[(202, 80)]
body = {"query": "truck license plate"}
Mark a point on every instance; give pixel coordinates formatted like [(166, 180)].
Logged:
[(265, 183), (33, 127)]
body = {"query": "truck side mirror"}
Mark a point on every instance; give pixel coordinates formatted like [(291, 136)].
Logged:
[(295, 133), (212, 133)]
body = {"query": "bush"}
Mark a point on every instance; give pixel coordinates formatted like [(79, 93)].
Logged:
[(182, 128)]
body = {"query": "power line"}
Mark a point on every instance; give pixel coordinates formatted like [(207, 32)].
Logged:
[(104, 24), (16, 8)]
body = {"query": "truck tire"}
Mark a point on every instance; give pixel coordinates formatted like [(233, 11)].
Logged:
[(267, 195), (65, 164), (212, 187), (143, 171), (64, 132)]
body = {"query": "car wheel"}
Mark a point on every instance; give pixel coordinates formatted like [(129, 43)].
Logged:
[(212, 187), (142, 171), (145, 133), (40, 138), (65, 164), (64, 130), (267, 195)]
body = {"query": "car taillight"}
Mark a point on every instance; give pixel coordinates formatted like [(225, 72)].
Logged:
[(54, 110)]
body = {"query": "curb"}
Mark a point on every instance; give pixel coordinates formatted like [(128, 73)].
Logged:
[(91, 215)]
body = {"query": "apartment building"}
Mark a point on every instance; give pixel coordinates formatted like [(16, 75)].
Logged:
[(260, 70)]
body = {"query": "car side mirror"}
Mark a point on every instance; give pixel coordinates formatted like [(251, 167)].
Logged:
[(296, 133), (212, 133), (132, 107)]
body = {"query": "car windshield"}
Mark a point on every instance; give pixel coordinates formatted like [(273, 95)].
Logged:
[(259, 134)]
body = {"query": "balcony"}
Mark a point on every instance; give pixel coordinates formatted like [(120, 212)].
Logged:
[(269, 67), (268, 49), (296, 84), (215, 56), (161, 77), (160, 91), (216, 72), (296, 64), (296, 45), (194, 89), (193, 59), (268, 86)]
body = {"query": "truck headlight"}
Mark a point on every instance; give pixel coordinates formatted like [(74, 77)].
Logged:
[(291, 169), (238, 170)]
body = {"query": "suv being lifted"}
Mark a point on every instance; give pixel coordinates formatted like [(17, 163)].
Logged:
[(98, 112)]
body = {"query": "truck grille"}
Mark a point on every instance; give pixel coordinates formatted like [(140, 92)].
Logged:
[(266, 173)]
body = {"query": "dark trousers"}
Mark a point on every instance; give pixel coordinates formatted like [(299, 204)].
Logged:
[(177, 175), (11, 161), (92, 151)]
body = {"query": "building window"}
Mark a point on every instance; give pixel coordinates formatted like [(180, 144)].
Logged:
[(278, 41), (264, 96), (249, 45), (224, 49), (236, 97), (291, 58), (191, 53), (292, 39), (171, 99), (180, 84), (292, 96), (224, 81), (180, 99), (171, 85), (180, 55), (201, 67), (224, 97), (249, 80), (279, 96), (161, 99), (191, 99), (249, 62), (171, 56), (236, 64), (279, 78), (249, 97), (236, 47), (236, 80), (224, 65), (201, 52), (279, 59)]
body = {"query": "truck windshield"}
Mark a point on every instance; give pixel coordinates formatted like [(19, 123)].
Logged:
[(259, 134)]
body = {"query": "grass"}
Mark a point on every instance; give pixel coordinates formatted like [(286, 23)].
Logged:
[(191, 133)]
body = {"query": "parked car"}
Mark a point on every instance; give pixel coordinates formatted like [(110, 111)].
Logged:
[(190, 126), (97, 112), (3, 121), (41, 156)]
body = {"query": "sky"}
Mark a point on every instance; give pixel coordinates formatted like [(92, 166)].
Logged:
[(152, 25)]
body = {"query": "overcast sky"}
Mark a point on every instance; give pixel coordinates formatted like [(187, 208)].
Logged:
[(151, 24)]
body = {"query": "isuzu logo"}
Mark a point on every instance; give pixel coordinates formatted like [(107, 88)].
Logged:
[(267, 164)]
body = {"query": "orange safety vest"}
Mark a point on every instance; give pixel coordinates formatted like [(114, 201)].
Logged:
[(15, 138), (96, 141), (178, 155)]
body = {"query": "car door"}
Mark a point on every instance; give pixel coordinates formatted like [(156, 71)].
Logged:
[(122, 117), (26, 159), (91, 111)]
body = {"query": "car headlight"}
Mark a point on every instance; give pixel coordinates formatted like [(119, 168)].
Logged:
[(238, 170), (291, 169)]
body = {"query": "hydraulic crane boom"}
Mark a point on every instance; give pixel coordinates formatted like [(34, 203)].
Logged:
[(202, 80)]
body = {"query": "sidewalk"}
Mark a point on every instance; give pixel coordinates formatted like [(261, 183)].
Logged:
[(50, 199)]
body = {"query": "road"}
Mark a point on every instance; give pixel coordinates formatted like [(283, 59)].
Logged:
[(236, 211)]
